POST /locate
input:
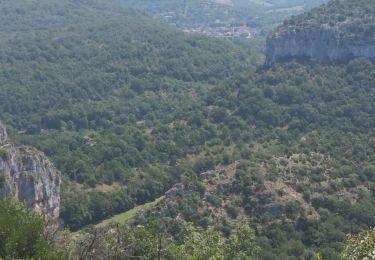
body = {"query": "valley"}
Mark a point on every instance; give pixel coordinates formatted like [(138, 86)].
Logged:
[(144, 141)]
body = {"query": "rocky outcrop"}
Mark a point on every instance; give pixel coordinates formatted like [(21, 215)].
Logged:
[(28, 175), (322, 43)]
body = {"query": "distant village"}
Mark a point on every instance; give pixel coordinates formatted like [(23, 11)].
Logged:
[(221, 29), (225, 31)]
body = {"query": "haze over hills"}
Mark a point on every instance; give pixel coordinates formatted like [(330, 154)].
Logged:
[(239, 160), (228, 18)]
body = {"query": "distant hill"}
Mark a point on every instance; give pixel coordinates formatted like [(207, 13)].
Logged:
[(257, 14)]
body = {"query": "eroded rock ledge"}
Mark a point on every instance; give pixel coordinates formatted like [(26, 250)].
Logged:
[(28, 175), (322, 43)]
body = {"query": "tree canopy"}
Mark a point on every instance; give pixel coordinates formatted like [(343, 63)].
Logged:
[(21, 232)]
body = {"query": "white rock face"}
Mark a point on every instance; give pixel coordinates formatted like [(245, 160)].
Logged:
[(28, 175), (324, 44)]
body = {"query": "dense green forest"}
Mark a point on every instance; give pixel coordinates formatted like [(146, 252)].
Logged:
[(255, 162), (306, 171), (84, 52), (353, 19), (98, 70)]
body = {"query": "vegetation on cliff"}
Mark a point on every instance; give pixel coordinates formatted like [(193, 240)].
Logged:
[(354, 18)]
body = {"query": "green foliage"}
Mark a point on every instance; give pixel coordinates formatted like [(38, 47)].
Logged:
[(205, 245), (308, 109), (94, 52), (361, 246), (242, 244), (95, 69), (155, 240), (355, 18), (211, 245), (21, 232), (127, 107)]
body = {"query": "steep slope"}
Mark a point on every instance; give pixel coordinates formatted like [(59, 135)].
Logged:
[(61, 53), (93, 84), (296, 158), (289, 150), (337, 31), (28, 175)]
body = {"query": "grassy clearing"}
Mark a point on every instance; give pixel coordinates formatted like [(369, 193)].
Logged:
[(121, 218)]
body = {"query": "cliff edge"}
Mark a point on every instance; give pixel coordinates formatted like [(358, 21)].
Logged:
[(28, 175), (337, 31)]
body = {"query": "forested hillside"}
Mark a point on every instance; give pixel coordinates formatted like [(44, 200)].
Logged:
[(245, 161), (90, 50), (305, 164), (296, 149), (355, 18), (93, 84)]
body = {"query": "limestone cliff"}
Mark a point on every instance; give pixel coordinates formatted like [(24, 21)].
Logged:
[(322, 43), (28, 175), (333, 32)]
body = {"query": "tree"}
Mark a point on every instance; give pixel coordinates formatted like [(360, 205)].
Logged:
[(204, 245), (361, 246), (210, 244), (21, 232), (241, 244)]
